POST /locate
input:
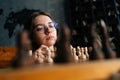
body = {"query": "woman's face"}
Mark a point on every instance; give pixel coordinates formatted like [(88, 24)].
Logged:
[(44, 31)]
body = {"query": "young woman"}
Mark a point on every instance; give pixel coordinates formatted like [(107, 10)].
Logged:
[(43, 35), (46, 43)]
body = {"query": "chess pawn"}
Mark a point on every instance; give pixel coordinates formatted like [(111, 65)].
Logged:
[(86, 52), (30, 52), (71, 49), (74, 54), (83, 56), (79, 51), (40, 60), (49, 59), (39, 57)]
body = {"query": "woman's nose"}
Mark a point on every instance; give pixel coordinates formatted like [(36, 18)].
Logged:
[(48, 30)]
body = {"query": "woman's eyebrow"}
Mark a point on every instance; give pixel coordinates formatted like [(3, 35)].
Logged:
[(39, 25), (50, 22)]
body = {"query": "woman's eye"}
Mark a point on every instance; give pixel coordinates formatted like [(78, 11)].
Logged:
[(51, 26), (39, 29)]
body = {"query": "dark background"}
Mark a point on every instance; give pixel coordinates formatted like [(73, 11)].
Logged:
[(13, 12), (78, 14)]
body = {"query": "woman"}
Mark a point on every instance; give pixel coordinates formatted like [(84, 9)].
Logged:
[(50, 43), (44, 37)]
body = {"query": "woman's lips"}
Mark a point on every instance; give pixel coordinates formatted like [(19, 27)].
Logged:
[(50, 37)]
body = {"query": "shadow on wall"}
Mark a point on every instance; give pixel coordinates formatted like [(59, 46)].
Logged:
[(17, 18)]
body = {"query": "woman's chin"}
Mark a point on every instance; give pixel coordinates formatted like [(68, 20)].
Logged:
[(50, 43)]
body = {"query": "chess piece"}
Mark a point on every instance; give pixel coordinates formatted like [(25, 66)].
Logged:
[(71, 49), (96, 52), (109, 53), (74, 55), (40, 60), (83, 56), (64, 52), (116, 31), (30, 52), (49, 59), (79, 51), (86, 52), (39, 57)]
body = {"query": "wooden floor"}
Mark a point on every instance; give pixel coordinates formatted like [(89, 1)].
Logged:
[(97, 70)]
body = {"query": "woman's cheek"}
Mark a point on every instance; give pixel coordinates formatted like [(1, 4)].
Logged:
[(40, 39)]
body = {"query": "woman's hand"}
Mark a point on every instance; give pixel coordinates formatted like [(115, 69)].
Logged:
[(41, 54)]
